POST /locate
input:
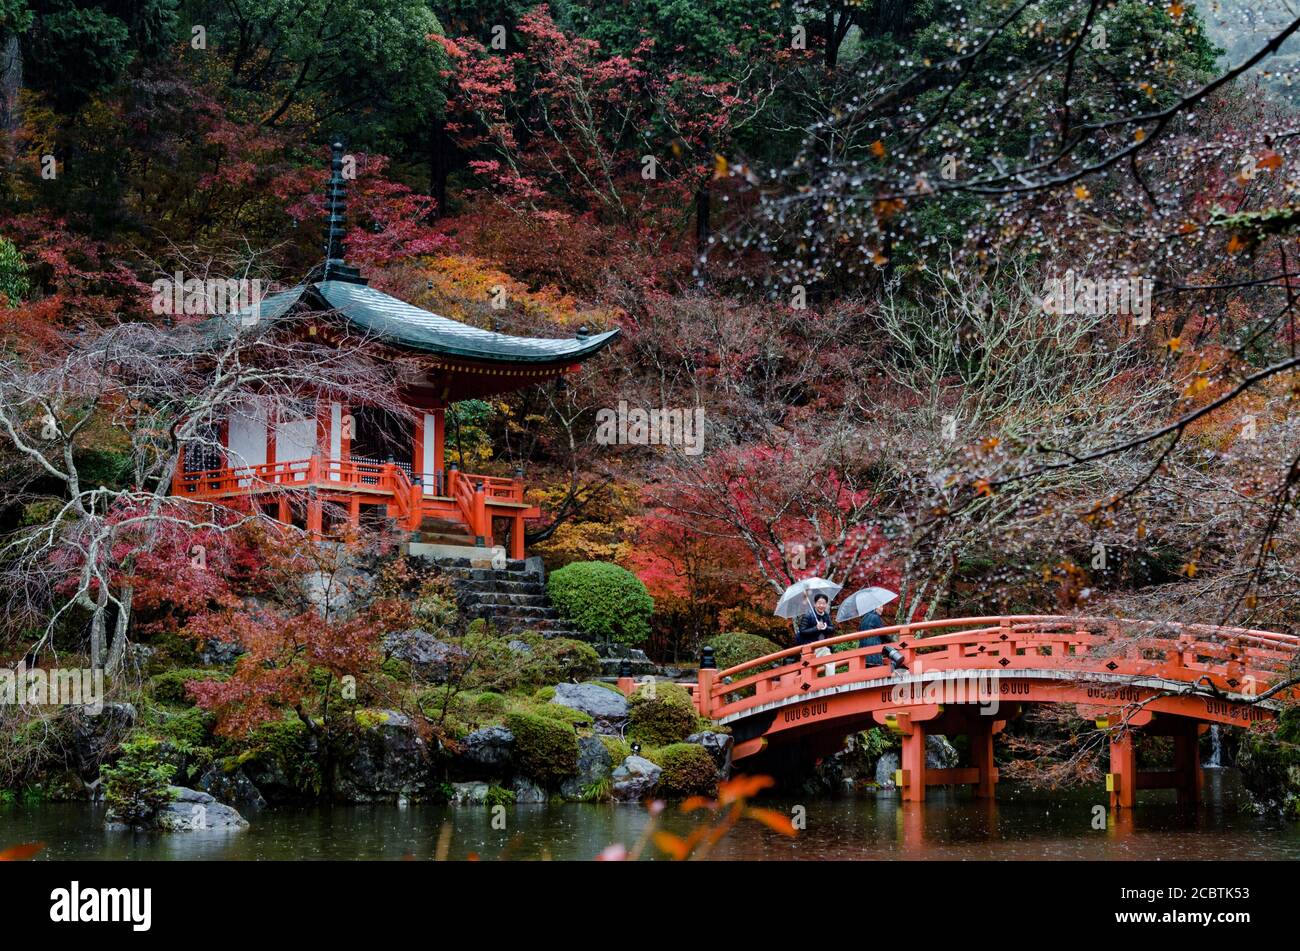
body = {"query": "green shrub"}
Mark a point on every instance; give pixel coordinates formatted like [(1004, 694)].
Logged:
[(139, 783), (499, 796), (169, 686), (603, 600), (661, 713), (737, 647), (434, 607), (562, 659), (688, 770), (546, 749)]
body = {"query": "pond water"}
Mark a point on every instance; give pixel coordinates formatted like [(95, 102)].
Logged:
[(1020, 824)]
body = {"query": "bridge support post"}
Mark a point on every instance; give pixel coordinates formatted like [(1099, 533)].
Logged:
[(1121, 781), (913, 764)]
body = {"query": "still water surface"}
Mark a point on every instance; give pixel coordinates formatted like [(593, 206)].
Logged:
[(1020, 825)]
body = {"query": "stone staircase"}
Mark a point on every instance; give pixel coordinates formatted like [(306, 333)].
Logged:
[(513, 599)]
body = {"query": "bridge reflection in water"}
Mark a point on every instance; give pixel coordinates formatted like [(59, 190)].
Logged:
[(970, 676)]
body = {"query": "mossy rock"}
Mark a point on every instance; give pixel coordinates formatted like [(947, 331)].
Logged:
[(489, 704), (660, 714), (556, 711), (617, 748), (688, 770), (279, 757), (545, 749)]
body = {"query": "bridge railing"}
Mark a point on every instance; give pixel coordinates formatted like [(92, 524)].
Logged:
[(1230, 660)]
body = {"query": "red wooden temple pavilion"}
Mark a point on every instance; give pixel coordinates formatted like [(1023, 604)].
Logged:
[(361, 458)]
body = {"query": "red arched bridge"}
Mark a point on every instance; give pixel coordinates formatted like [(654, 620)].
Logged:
[(969, 676)]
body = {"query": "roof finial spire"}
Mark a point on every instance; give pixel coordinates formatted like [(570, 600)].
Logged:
[(336, 206)]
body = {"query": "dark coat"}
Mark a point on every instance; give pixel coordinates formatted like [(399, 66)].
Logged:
[(808, 632), (870, 621)]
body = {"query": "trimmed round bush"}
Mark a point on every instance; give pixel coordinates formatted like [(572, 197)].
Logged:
[(603, 600), (737, 647), (688, 770), (546, 749), (661, 713)]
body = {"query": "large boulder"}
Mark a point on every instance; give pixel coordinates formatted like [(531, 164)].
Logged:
[(718, 746), (189, 811), (939, 754), (527, 792), (389, 761), (469, 794), (195, 811), (431, 659), (94, 732), (488, 752), (594, 766), (606, 707), (231, 786), (635, 779)]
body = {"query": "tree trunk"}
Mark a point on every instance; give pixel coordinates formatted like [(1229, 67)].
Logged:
[(440, 155), (11, 80), (97, 629), (117, 650), (702, 231)]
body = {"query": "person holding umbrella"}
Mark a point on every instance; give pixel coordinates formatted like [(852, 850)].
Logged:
[(866, 604), (808, 602), (816, 625)]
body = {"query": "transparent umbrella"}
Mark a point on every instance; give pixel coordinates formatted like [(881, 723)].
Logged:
[(864, 601), (799, 597)]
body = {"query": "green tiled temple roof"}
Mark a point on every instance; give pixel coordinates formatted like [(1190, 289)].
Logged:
[(396, 322)]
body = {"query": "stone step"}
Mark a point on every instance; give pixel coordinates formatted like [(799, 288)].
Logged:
[(443, 538), (504, 600), (455, 566), (471, 589), (515, 612)]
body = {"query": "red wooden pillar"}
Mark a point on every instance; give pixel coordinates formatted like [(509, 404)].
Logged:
[(704, 690), (354, 510), (283, 513), (482, 527), (913, 763), (1121, 781), (517, 538), (315, 516)]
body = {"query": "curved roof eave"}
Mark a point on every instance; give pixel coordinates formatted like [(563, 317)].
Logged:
[(410, 326)]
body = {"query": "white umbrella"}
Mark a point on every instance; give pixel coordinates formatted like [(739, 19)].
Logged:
[(799, 597), (864, 602)]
